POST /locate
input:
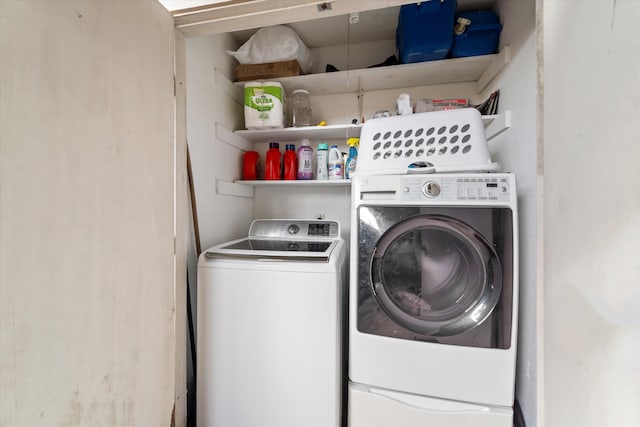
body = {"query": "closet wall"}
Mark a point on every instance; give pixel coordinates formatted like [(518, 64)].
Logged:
[(591, 213), (224, 217)]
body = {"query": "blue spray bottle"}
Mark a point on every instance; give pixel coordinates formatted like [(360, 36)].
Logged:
[(353, 157)]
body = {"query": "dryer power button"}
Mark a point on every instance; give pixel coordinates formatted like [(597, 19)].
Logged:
[(431, 189)]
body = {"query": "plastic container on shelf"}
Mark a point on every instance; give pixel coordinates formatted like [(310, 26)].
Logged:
[(300, 108), (425, 31), (476, 33), (272, 170), (336, 163), (251, 165), (290, 162), (322, 158), (305, 160), (350, 166)]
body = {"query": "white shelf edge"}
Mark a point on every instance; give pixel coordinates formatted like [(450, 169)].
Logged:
[(296, 183), (499, 62), (227, 188), (316, 132), (228, 86), (232, 138), (499, 124), (480, 69), (487, 120), (309, 132)]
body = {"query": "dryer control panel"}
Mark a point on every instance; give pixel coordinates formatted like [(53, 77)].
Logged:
[(426, 187)]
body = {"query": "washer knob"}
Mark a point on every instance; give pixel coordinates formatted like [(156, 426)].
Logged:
[(431, 189), (293, 229)]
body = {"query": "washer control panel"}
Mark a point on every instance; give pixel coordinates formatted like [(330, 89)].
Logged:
[(455, 188), (293, 229)]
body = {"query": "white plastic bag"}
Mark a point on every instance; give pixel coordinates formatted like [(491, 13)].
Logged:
[(274, 44)]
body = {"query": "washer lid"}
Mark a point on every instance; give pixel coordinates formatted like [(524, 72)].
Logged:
[(435, 275), (274, 250), (283, 240)]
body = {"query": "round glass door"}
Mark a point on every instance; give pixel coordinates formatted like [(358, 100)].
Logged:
[(435, 275)]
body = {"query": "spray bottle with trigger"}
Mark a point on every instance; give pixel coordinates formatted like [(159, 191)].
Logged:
[(353, 157)]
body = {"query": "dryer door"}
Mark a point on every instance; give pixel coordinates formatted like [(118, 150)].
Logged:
[(434, 275)]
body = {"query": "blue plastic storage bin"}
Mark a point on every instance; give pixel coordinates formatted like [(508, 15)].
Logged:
[(480, 37), (425, 31)]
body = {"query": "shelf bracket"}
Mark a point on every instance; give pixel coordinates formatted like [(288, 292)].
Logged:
[(228, 137), (227, 188), (500, 124), (494, 68), (227, 86)]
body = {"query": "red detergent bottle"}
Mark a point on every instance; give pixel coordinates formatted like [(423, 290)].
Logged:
[(272, 170), (290, 162)]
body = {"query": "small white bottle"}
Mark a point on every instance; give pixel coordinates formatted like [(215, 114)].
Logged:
[(322, 158), (336, 163)]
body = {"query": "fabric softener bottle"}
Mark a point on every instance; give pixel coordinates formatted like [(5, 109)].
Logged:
[(322, 157), (305, 158)]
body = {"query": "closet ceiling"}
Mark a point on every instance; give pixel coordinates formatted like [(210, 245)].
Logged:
[(373, 25)]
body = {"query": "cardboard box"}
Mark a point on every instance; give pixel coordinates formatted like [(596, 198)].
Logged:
[(244, 72)]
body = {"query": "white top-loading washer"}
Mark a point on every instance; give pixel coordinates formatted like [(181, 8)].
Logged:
[(270, 319)]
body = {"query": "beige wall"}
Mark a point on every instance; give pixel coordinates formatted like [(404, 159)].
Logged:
[(591, 213), (86, 214)]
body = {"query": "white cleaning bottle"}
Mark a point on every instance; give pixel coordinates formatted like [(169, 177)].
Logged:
[(336, 163), (350, 166)]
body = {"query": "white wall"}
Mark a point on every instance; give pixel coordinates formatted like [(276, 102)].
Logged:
[(592, 213), (87, 309), (516, 151), (220, 217)]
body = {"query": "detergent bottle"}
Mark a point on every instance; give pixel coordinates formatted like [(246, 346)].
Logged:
[(322, 158), (273, 163), (336, 163), (350, 167), (290, 162), (305, 158)]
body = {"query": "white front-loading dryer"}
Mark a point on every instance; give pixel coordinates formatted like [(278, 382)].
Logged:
[(433, 300), (270, 320)]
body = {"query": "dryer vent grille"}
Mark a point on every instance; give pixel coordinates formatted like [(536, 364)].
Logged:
[(441, 141)]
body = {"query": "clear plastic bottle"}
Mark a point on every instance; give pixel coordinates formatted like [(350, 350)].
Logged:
[(336, 163), (322, 160), (290, 162), (272, 169), (300, 108), (305, 159)]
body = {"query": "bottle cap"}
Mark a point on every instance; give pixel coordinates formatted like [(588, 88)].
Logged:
[(323, 146), (274, 145), (334, 146), (304, 142), (301, 91), (290, 147), (353, 142)]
